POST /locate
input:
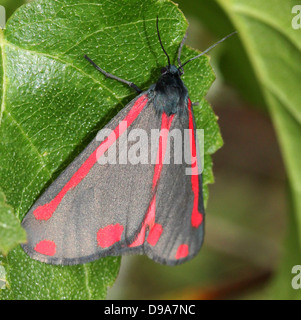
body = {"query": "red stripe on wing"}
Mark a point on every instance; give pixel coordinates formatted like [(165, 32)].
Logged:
[(155, 234), (45, 212), (196, 216), (149, 220)]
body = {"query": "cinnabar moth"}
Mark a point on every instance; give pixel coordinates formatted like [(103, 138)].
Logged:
[(95, 208)]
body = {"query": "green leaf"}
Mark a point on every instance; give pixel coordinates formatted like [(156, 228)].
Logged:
[(11, 232), (281, 286), (231, 56), (53, 102), (274, 49)]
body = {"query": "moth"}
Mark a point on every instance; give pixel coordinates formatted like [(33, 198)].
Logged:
[(98, 208)]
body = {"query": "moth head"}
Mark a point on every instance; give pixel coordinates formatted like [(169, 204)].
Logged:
[(171, 70)]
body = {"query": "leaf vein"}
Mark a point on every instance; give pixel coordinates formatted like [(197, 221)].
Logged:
[(34, 148), (67, 63), (2, 108)]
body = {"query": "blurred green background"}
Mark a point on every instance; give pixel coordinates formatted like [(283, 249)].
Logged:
[(253, 214)]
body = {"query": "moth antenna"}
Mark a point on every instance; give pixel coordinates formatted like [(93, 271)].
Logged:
[(180, 51), (161, 42), (211, 47)]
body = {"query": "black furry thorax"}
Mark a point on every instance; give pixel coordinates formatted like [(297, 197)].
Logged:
[(169, 94)]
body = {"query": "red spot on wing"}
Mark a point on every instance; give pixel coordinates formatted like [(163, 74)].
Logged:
[(154, 234), (182, 252), (109, 235), (196, 216), (149, 219), (46, 247), (45, 212)]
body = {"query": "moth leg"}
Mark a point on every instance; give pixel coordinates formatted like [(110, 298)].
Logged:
[(111, 76)]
